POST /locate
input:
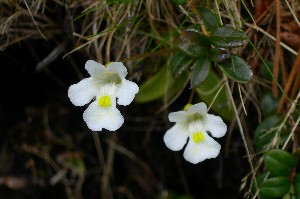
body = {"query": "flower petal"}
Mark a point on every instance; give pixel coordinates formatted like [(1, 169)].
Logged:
[(94, 68), (97, 118), (82, 92), (200, 108), (176, 137), (215, 125), (127, 92), (207, 149), (178, 116), (117, 67)]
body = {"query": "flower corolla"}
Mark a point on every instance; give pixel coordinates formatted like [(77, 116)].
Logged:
[(194, 125), (108, 86)]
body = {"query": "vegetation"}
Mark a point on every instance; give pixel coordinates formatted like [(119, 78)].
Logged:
[(239, 57)]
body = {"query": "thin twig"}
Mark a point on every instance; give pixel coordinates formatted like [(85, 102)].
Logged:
[(291, 78), (241, 130), (34, 20), (277, 50), (272, 37)]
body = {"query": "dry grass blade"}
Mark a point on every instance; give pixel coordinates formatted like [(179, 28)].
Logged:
[(277, 55)]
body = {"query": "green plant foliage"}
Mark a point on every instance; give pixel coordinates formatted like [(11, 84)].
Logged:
[(237, 69), (194, 50), (260, 180), (153, 88), (160, 84), (266, 69), (200, 70), (178, 84), (219, 54), (210, 21), (269, 104), (179, 2), (265, 132), (275, 187), (194, 36), (178, 63), (279, 162), (208, 90), (297, 185), (227, 37)]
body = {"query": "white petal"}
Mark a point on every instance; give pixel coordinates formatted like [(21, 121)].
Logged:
[(215, 125), (117, 67), (178, 116), (195, 126), (207, 149), (97, 118), (82, 92), (200, 108), (176, 137), (94, 68), (127, 92)]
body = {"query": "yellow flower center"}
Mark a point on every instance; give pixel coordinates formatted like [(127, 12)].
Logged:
[(104, 101), (198, 137)]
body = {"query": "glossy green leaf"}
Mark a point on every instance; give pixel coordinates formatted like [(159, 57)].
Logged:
[(297, 185), (279, 162), (259, 180), (227, 37), (237, 69), (265, 132), (200, 69), (208, 90), (194, 36), (219, 55), (269, 104), (178, 63), (275, 187), (209, 19), (194, 50), (153, 88)]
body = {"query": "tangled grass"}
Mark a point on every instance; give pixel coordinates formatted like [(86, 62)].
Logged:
[(143, 34)]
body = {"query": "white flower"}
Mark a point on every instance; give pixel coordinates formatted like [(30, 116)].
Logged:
[(194, 126), (107, 84)]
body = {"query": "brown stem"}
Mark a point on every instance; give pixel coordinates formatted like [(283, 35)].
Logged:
[(290, 80), (277, 50)]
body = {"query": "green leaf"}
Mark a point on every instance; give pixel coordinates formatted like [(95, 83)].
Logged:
[(275, 187), (178, 63), (209, 19), (259, 180), (208, 90), (297, 185), (179, 2), (194, 50), (269, 104), (219, 55), (227, 37), (194, 36), (279, 162), (265, 132), (200, 70), (177, 85), (153, 88), (237, 69)]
